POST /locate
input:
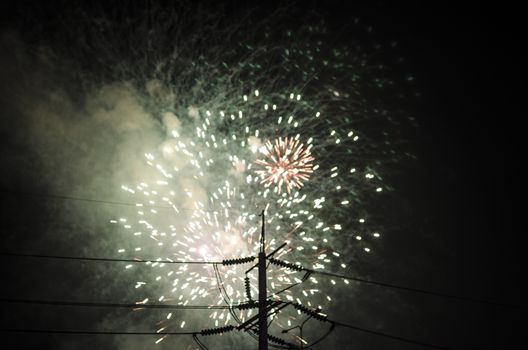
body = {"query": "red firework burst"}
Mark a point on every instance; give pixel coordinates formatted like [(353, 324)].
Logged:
[(287, 163)]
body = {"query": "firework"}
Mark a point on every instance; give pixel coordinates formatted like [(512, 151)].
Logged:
[(205, 176), (287, 163), (208, 120), (237, 144)]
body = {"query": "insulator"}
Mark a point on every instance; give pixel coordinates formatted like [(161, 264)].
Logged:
[(248, 288), (212, 331), (250, 305), (238, 261), (312, 313), (285, 264), (276, 339)]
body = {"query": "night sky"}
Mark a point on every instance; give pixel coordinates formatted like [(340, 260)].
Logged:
[(454, 227)]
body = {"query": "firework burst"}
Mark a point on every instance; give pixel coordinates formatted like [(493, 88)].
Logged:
[(211, 120), (266, 122), (205, 176), (287, 163)]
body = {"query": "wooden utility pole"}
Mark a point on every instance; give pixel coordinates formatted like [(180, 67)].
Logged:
[(263, 320)]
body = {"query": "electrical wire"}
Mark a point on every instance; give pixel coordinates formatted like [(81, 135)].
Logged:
[(224, 294), (400, 287), (61, 257), (221, 288), (113, 305), (323, 337), (417, 290), (92, 200), (323, 273), (283, 290), (164, 306), (82, 199), (308, 273), (200, 344), (47, 331), (60, 331), (352, 278), (385, 335)]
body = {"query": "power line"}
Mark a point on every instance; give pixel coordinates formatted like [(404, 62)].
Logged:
[(203, 332), (61, 257), (385, 335), (82, 199), (324, 273), (60, 331), (322, 318), (163, 306), (115, 305), (100, 201), (417, 290)]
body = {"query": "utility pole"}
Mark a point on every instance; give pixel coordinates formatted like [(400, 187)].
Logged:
[(265, 306), (263, 312)]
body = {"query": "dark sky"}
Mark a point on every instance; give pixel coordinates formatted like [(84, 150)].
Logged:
[(466, 59), (463, 193)]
